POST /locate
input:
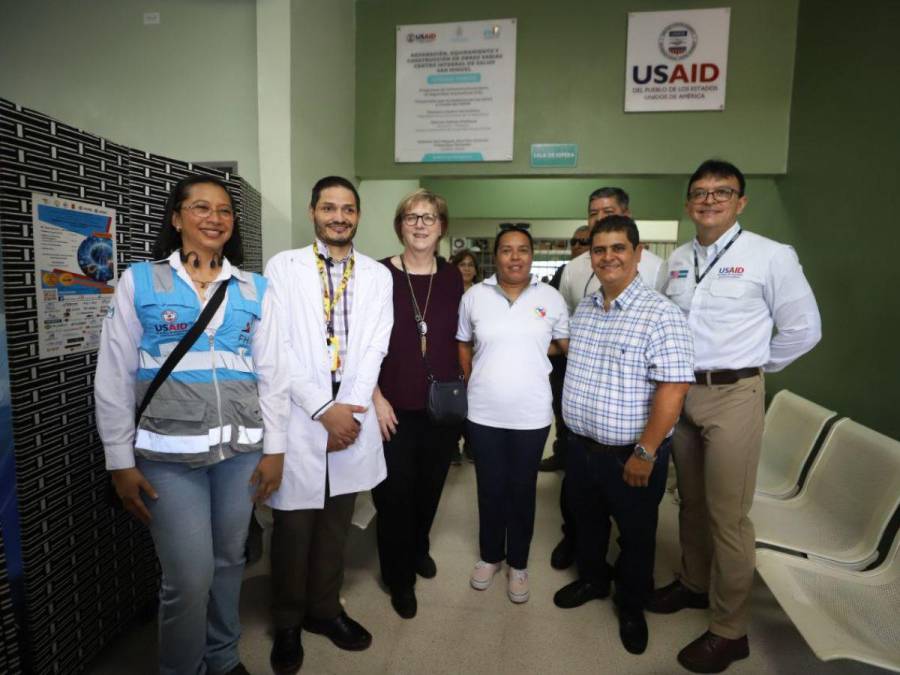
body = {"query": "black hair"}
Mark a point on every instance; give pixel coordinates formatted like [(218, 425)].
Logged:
[(168, 239), (617, 224), (459, 256), (718, 168), (328, 182), (616, 193), (506, 228)]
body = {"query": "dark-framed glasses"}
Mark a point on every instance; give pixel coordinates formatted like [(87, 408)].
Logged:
[(203, 210), (428, 219), (722, 194)]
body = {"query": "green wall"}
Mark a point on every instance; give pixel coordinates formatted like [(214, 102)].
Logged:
[(841, 197), (322, 100), (570, 88), (185, 88)]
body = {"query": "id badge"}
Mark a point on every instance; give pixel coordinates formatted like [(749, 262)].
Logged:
[(334, 356)]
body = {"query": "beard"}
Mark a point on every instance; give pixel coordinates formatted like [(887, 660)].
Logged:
[(332, 238)]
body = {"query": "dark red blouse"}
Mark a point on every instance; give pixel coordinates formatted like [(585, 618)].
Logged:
[(403, 380)]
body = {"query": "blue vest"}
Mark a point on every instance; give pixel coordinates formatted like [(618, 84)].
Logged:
[(208, 407)]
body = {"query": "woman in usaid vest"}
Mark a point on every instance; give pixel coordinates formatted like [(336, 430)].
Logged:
[(197, 451)]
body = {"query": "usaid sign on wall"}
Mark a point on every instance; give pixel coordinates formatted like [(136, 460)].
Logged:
[(677, 60)]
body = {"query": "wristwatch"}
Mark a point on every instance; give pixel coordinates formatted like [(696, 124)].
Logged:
[(641, 453)]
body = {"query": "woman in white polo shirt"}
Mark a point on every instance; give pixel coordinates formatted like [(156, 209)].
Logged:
[(506, 326)]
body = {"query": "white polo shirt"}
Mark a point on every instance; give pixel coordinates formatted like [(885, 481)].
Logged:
[(579, 281), (509, 387), (755, 287)]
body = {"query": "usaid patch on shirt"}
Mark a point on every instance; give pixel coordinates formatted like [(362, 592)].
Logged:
[(731, 272)]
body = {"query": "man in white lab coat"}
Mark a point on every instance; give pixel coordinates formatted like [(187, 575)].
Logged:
[(336, 306)]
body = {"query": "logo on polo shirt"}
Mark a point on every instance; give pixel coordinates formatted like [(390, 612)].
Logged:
[(540, 312), (678, 274), (735, 272)]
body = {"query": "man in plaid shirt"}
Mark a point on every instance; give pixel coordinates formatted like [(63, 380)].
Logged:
[(631, 362)]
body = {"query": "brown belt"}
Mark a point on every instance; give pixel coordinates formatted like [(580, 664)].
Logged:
[(710, 377), (602, 447)]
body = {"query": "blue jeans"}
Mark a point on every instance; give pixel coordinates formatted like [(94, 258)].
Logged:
[(506, 467), (597, 491), (199, 527)]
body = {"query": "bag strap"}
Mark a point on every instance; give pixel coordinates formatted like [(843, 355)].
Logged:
[(182, 347)]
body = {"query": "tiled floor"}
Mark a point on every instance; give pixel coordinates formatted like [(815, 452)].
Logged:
[(460, 630)]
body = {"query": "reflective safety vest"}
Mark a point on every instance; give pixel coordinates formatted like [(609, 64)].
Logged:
[(208, 408)]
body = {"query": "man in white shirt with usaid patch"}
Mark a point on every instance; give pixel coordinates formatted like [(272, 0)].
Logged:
[(750, 311)]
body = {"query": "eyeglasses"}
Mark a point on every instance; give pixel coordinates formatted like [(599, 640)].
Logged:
[(575, 241), (202, 210), (722, 194), (428, 219)]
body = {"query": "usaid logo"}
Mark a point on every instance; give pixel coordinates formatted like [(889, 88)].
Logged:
[(421, 37), (731, 272), (677, 41), (169, 316)]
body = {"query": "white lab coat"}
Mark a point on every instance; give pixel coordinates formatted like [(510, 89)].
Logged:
[(294, 279)]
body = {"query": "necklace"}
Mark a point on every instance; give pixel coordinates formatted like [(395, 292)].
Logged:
[(421, 325)]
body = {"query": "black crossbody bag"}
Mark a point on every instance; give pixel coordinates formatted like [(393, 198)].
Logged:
[(445, 401)]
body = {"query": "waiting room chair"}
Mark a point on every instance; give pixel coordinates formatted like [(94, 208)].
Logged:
[(842, 614), (792, 428), (845, 504)]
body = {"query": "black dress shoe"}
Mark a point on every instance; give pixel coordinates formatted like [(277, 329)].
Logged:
[(563, 555), (404, 601), (286, 656), (633, 630), (425, 566), (579, 592), (674, 597), (711, 653), (343, 631)]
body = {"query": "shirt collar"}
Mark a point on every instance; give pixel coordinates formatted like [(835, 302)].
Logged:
[(225, 272), (323, 250), (492, 280), (624, 298), (717, 245)]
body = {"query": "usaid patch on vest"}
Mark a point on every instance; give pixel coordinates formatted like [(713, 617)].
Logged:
[(731, 272)]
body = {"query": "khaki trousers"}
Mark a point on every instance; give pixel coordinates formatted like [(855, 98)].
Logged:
[(716, 450)]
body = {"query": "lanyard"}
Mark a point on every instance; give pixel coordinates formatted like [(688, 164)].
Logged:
[(330, 299), (700, 277)]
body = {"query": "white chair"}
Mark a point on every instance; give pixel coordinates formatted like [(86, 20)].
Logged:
[(793, 425), (840, 513), (842, 614)]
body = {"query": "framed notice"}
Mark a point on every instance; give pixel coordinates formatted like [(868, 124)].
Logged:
[(456, 88), (74, 263), (677, 60)]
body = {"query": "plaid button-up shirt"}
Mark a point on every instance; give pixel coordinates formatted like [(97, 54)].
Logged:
[(615, 359)]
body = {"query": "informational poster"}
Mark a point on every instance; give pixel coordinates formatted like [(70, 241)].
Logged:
[(74, 263), (456, 90), (677, 60)]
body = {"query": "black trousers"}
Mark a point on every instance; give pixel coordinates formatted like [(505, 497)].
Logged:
[(308, 560), (597, 492), (557, 379), (506, 466), (418, 457)]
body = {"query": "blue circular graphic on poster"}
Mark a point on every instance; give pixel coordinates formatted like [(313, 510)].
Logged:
[(95, 257)]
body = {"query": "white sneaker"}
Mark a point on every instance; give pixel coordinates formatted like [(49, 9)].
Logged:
[(517, 588), (483, 575)]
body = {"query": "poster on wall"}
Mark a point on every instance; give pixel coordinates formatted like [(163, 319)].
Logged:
[(456, 90), (74, 263), (677, 60)]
